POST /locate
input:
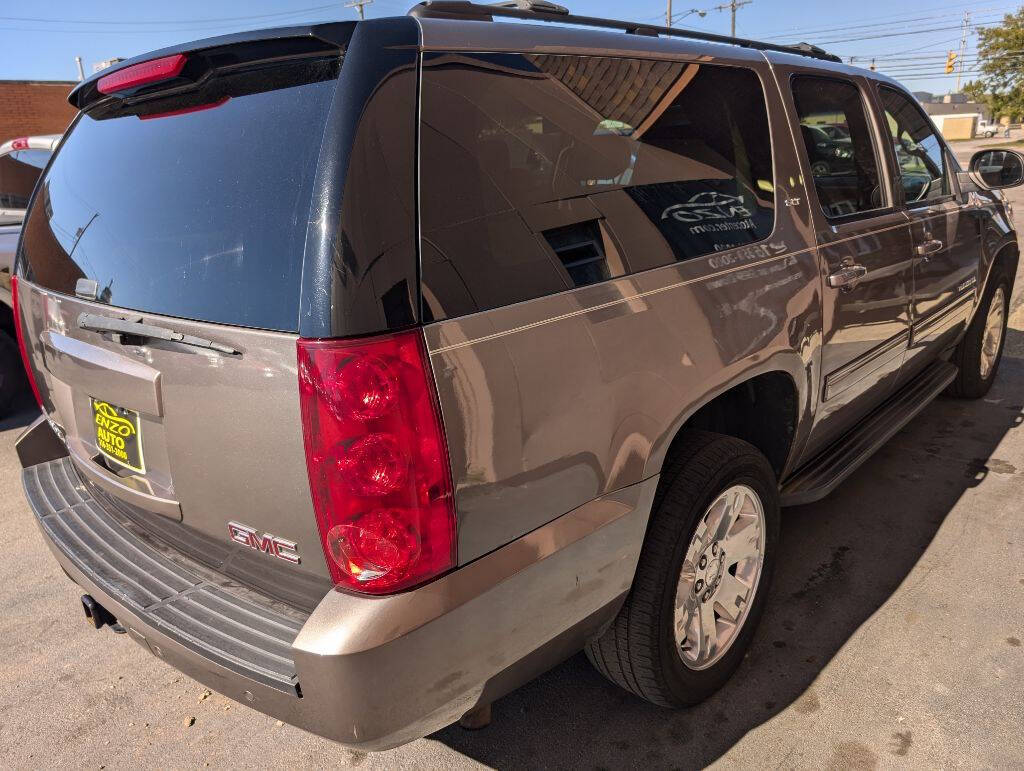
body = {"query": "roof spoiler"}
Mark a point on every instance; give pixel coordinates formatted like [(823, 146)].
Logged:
[(239, 49)]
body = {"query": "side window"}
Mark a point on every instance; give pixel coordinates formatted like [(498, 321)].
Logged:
[(541, 173), (834, 128), (19, 171), (919, 152)]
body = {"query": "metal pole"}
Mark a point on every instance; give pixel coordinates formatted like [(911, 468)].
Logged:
[(81, 72), (358, 5), (963, 47), (668, 14), (732, 6)]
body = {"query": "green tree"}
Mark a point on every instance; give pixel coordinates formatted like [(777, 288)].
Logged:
[(1001, 62)]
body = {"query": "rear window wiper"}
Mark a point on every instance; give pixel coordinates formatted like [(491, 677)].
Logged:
[(136, 329)]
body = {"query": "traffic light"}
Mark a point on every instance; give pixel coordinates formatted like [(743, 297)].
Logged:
[(950, 61)]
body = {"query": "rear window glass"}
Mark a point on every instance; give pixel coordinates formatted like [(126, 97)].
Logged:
[(542, 173), (197, 208), (19, 171)]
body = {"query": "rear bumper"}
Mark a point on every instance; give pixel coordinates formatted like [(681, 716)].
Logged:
[(369, 672)]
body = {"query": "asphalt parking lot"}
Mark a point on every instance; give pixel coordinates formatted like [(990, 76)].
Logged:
[(893, 637)]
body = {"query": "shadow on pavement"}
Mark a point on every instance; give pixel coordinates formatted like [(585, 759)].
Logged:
[(841, 560)]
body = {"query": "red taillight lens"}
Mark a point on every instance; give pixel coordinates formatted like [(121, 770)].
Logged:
[(21, 341), (142, 74), (377, 461), (21, 143)]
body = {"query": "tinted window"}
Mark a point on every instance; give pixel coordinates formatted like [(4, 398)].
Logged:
[(541, 173), (195, 209), (19, 171), (919, 153), (835, 134)]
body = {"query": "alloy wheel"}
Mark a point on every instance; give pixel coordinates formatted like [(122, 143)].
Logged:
[(719, 577)]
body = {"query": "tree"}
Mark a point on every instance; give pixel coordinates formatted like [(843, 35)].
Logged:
[(1001, 62)]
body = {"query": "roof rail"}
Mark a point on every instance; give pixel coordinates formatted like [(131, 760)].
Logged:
[(542, 10)]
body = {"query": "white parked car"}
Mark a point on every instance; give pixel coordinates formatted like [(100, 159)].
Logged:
[(21, 162)]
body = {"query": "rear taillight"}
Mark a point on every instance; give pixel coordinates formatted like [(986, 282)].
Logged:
[(377, 461), (21, 341), (143, 74), (21, 143)]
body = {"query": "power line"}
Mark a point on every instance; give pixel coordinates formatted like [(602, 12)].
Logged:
[(955, 7), (899, 34), (941, 43), (115, 22), (867, 27)]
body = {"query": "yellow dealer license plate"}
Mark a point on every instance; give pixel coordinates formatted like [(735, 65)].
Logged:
[(118, 435)]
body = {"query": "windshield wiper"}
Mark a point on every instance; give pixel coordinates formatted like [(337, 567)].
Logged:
[(94, 323)]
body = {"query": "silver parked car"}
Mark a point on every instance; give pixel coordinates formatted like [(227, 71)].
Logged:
[(384, 365), (22, 160)]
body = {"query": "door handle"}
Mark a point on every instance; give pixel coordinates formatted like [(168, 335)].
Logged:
[(929, 247), (847, 276)]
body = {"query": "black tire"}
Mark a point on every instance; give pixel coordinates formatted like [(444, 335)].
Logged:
[(13, 382), (638, 651), (969, 383), (820, 169)]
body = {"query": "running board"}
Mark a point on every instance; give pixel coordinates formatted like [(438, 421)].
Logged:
[(822, 475)]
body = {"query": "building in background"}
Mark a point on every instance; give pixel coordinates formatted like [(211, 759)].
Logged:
[(959, 125), (952, 104), (34, 107)]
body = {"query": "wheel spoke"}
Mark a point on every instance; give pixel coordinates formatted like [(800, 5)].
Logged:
[(733, 504), (708, 634), (685, 615), (744, 542), (731, 596)]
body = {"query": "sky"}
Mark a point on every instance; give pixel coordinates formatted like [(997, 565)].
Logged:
[(39, 41)]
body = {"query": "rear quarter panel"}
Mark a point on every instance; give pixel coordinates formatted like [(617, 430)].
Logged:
[(552, 402)]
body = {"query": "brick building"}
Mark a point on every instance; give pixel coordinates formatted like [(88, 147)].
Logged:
[(34, 107)]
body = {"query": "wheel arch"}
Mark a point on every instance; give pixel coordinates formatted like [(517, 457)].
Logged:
[(768, 407), (1004, 260)]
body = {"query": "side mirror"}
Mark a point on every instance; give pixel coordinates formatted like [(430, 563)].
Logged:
[(997, 169)]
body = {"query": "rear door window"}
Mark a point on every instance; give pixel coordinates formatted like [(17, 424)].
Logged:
[(542, 173), (195, 209), (839, 147)]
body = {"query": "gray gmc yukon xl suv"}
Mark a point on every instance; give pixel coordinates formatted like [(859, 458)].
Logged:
[(384, 365)]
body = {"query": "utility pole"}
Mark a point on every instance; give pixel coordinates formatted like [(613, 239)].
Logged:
[(81, 72), (963, 45), (358, 5), (731, 6), (668, 14)]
